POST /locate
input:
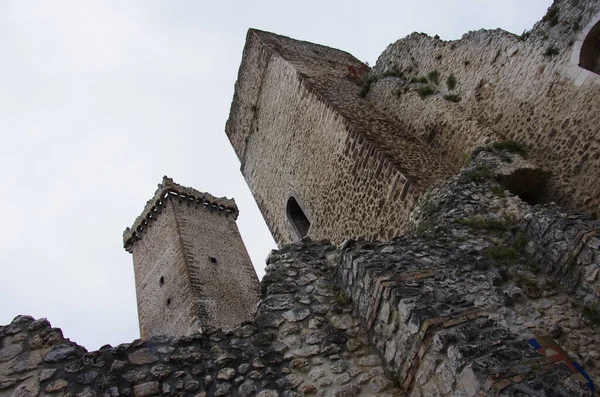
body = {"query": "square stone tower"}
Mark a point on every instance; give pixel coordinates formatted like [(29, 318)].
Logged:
[(320, 160), (191, 267)]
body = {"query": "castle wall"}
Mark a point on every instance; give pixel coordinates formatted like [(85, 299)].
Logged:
[(169, 308), (452, 306), (303, 341), (222, 279), (527, 89), (444, 126), (302, 148)]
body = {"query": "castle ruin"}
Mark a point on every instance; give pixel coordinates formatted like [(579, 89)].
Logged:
[(322, 137), (404, 268)]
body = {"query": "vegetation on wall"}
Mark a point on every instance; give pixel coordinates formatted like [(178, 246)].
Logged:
[(452, 98), (551, 16), (451, 82), (551, 51)]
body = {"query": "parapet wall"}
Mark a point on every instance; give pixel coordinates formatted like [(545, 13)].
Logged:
[(528, 88)]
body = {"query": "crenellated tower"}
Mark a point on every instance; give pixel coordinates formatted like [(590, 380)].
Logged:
[(192, 269)]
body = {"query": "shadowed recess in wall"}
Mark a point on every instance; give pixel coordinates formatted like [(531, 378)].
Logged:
[(529, 184), (590, 51), (297, 217)]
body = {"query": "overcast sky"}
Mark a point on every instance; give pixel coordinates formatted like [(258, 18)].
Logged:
[(100, 99)]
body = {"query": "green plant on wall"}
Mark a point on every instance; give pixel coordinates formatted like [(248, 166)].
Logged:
[(425, 91), (451, 82), (551, 51), (551, 16), (434, 77), (452, 98)]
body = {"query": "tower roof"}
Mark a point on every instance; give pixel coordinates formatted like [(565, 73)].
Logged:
[(168, 190)]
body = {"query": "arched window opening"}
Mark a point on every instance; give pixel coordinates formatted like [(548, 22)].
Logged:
[(297, 217), (589, 58)]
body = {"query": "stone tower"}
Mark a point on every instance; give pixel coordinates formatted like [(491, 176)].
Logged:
[(319, 159), (191, 267)]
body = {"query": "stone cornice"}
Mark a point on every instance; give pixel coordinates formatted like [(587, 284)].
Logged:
[(170, 190)]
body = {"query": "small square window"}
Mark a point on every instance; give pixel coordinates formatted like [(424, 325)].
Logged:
[(213, 259)]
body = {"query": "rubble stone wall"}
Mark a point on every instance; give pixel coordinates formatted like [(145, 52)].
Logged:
[(528, 88), (451, 307), (303, 341)]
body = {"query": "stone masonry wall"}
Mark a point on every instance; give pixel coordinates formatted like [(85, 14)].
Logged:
[(160, 277), (341, 181), (303, 341), (451, 307), (191, 266), (222, 279), (529, 89), (301, 130), (446, 310)]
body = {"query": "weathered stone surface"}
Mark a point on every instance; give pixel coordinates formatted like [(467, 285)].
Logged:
[(146, 389), (9, 352), (278, 302), (142, 356), (268, 393), (61, 353), (56, 386), (296, 315), (29, 387)]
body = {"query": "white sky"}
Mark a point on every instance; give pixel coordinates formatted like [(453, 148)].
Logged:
[(100, 99)]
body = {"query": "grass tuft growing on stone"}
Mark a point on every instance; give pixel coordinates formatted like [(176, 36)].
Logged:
[(479, 174), (498, 190), (501, 254), (341, 298), (434, 77), (452, 98), (592, 314), (551, 51), (550, 285), (483, 224), (451, 82), (520, 242), (528, 285), (421, 79), (425, 91), (525, 35), (365, 85), (551, 16)]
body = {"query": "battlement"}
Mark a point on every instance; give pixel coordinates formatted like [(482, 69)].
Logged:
[(168, 190)]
